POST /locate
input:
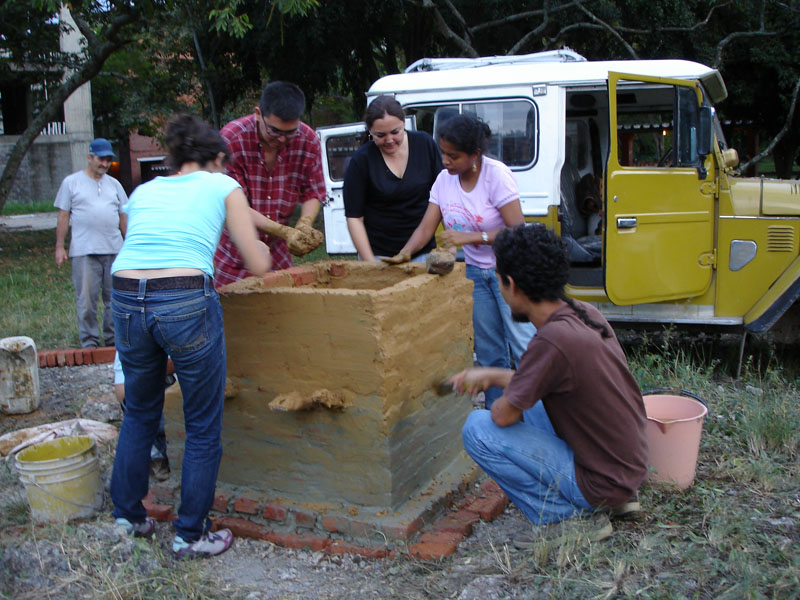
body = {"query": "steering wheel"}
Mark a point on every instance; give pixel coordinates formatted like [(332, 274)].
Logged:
[(664, 158)]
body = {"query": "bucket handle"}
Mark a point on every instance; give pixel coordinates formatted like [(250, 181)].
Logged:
[(677, 392), (68, 501)]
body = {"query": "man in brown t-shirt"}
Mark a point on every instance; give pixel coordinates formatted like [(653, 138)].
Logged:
[(583, 447)]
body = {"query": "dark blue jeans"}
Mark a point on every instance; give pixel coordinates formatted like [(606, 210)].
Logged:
[(499, 340), (187, 326)]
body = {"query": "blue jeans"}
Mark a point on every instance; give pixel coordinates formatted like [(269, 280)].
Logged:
[(499, 340), (187, 326), (534, 466)]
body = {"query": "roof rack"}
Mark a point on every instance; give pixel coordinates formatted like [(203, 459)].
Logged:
[(441, 64)]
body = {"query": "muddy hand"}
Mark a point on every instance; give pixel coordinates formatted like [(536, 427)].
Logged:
[(300, 243), (397, 259), (306, 225), (447, 240), (470, 381)]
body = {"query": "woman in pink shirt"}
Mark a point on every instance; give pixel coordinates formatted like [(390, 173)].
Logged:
[(476, 197)]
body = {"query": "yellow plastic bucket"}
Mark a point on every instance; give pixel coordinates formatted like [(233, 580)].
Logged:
[(674, 425), (61, 478)]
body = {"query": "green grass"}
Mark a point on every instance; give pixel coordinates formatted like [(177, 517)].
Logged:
[(38, 297), (20, 208)]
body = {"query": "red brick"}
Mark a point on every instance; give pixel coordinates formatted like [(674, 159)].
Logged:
[(336, 524), (490, 487), (298, 540), (78, 356), (70, 356), (304, 519), (460, 522), (88, 358), (301, 275), (61, 358), (42, 357), (362, 529), (432, 550), (160, 512), (338, 270), (103, 355), (221, 502), (490, 507), (51, 358), (247, 506), (342, 547), (403, 531), (441, 537), (276, 279), (170, 367), (162, 493), (242, 527), (274, 511)]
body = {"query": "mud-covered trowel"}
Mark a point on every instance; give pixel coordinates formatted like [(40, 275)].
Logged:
[(443, 388)]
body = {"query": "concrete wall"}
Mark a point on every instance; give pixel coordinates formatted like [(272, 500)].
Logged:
[(45, 165)]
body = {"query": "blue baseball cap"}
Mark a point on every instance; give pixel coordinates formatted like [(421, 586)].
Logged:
[(101, 147)]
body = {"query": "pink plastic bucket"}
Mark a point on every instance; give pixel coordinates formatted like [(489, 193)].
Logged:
[(674, 425)]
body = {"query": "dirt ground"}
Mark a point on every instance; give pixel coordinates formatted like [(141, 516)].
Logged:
[(38, 563)]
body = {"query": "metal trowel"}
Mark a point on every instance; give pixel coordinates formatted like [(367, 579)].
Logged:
[(443, 388)]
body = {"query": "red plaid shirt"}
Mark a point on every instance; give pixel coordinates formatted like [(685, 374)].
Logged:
[(295, 177)]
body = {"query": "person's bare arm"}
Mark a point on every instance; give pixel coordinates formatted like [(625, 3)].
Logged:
[(123, 224), (512, 215), (421, 236), (480, 379), (62, 224), (358, 233), (255, 253), (504, 413)]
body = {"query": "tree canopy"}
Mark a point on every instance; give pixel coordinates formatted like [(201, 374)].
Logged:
[(212, 56)]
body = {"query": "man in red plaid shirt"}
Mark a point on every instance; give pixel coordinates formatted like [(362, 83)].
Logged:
[(278, 162)]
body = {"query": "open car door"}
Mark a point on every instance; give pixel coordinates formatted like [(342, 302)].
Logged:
[(659, 198), (339, 143)]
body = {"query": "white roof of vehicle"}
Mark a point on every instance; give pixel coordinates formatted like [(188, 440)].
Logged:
[(576, 73)]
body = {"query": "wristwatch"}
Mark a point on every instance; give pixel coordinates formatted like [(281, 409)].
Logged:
[(485, 237)]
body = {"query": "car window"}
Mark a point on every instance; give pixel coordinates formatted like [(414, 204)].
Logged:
[(513, 123)]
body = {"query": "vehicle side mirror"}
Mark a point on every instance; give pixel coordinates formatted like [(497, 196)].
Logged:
[(705, 131)]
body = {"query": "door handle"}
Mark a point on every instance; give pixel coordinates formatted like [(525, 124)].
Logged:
[(626, 222)]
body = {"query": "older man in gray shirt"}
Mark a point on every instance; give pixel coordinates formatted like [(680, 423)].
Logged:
[(92, 201)]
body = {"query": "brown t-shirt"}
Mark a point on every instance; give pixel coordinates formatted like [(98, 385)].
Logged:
[(593, 402)]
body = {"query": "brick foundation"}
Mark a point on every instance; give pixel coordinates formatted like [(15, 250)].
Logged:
[(432, 535)]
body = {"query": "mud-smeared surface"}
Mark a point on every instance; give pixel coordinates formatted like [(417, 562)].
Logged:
[(336, 370)]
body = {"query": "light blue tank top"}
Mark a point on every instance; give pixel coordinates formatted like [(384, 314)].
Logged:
[(175, 222)]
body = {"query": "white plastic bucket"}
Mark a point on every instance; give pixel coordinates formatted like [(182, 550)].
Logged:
[(61, 478), (674, 426)]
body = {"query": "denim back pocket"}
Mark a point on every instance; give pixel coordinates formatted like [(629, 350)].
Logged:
[(122, 324), (185, 332)]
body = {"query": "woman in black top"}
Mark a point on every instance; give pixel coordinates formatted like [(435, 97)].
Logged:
[(388, 182)]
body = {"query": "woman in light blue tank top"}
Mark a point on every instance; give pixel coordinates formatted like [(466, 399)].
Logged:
[(163, 304)]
